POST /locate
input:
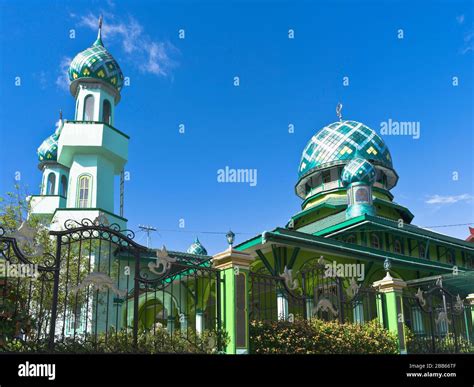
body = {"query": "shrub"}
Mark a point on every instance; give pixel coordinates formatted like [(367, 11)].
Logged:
[(320, 337), (148, 342)]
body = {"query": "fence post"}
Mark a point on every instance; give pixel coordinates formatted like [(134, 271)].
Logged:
[(136, 296), (234, 303), (54, 307), (470, 299), (391, 290)]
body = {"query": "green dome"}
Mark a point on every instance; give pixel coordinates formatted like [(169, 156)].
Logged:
[(339, 142), (48, 150), (358, 171), (96, 63), (197, 248)]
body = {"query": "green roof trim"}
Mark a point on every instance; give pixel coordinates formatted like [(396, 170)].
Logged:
[(331, 202), (298, 239), (391, 224), (323, 223)]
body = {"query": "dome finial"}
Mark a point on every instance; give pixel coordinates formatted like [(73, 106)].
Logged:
[(98, 41), (60, 114), (339, 110)]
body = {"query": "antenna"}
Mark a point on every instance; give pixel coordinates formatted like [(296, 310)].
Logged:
[(339, 110), (148, 230)]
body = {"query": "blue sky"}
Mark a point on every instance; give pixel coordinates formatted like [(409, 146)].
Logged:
[(282, 81)]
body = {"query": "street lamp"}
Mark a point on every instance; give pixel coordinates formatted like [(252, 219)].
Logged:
[(230, 238)]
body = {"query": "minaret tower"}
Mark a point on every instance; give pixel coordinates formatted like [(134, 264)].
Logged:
[(90, 148)]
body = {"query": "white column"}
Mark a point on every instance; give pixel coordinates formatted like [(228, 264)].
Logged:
[(282, 306), (199, 322)]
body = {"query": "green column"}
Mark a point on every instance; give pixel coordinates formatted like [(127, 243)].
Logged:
[(470, 299), (234, 270), (391, 290)]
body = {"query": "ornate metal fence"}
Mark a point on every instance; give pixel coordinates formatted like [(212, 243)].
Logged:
[(308, 294), (96, 289), (438, 321)]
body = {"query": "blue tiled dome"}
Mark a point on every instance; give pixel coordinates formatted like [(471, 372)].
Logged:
[(358, 170), (339, 142), (197, 248)]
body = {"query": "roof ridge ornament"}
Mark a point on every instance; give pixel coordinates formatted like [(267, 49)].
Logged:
[(339, 111)]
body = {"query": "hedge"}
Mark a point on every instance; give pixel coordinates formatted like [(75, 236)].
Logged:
[(320, 337)]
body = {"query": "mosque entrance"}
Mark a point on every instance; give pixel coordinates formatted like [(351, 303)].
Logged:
[(89, 287)]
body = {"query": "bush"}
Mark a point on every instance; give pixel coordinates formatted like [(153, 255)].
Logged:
[(422, 343), (148, 342), (320, 337)]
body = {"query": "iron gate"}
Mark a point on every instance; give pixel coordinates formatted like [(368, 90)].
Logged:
[(96, 288), (438, 321), (310, 293)]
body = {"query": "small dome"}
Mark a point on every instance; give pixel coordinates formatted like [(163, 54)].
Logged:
[(95, 63), (358, 170), (48, 150), (339, 142), (197, 248)]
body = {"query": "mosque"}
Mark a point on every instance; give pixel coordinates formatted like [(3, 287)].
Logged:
[(345, 177)]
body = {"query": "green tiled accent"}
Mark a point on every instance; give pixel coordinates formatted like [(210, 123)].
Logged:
[(341, 141), (96, 62), (358, 171), (197, 248), (48, 150)]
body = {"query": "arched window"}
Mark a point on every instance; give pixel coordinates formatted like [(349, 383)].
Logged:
[(351, 239), (397, 246), (51, 185), (63, 186), (84, 186), (89, 108), (374, 241), (106, 112)]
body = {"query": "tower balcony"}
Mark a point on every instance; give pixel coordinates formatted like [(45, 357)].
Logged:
[(95, 138), (46, 204)]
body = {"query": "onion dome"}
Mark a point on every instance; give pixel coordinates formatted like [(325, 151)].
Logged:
[(48, 150), (197, 248), (339, 141), (95, 63), (358, 171), (338, 144)]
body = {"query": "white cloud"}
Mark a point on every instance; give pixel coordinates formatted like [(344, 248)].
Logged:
[(460, 19), (62, 81), (148, 55), (449, 199), (468, 42)]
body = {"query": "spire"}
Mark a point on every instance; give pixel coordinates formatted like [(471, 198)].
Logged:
[(339, 111), (61, 114), (98, 41)]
